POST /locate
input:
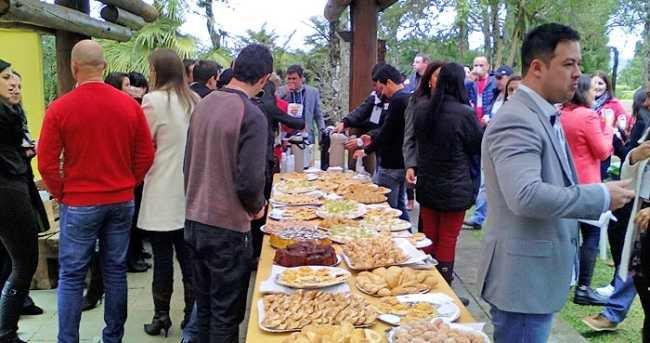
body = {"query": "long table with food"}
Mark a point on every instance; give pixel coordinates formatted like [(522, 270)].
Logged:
[(339, 265)]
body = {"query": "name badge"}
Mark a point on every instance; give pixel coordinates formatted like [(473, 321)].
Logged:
[(376, 115), (295, 110)]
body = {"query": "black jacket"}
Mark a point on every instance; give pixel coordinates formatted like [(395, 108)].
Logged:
[(12, 161), (446, 145), (388, 140), (201, 89), (360, 116)]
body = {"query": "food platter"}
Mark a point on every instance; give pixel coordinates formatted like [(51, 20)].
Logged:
[(392, 281), (335, 333), (412, 307), (385, 224), (293, 213), (364, 254), (312, 277), (294, 186), (422, 329), (344, 209), (296, 200), (342, 233)]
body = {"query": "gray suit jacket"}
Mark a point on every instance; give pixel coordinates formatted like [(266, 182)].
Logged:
[(311, 109), (531, 233)]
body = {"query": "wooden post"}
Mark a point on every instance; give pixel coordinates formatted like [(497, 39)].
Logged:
[(363, 17), (122, 17), (64, 42), (137, 7)]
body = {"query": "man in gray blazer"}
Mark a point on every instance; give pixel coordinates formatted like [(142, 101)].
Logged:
[(531, 233), (304, 100)]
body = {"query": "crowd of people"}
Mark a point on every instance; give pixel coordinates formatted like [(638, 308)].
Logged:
[(185, 158)]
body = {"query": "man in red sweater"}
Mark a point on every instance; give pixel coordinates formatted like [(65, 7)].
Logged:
[(103, 137)]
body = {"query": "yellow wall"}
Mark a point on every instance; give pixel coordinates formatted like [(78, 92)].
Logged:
[(22, 48)]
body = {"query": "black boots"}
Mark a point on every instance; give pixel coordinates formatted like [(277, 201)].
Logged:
[(160, 323), (446, 269), (11, 303), (96, 286), (188, 296)]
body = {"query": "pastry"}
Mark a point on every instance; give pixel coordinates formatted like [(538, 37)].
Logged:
[(381, 213), (332, 222), (299, 213), (344, 333), (396, 281), (307, 277), (343, 233), (410, 311), (296, 199), (425, 331), (294, 186), (305, 253), (302, 308), (366, 197), (341, 209), (373, 252), (385, 224), (274, 227)]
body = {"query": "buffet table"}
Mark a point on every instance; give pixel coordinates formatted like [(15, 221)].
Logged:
[(256, 334)]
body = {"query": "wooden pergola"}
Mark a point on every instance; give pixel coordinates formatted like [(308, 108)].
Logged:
[(364, 16), (70, 22)]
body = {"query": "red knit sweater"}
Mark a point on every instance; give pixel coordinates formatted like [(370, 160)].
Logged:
[(106, 145)]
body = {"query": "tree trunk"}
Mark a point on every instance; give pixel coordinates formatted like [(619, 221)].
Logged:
[(138, 7), (64, 43), (517, 32), (485, 28), (496, 34), (462, 17), (122, 17), (215, 37)]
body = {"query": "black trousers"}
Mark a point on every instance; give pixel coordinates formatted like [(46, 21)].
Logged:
[(616, 235), (641, 283), (222, 261), (163, 245), (135, 242)]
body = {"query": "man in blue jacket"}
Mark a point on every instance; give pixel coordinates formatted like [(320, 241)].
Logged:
[(483, 91)]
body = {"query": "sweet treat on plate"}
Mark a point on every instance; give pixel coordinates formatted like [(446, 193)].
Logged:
[(366, 197), (325, 186), (343, 233), (299, 213), (395, 280), (297, 199), (381, 213), (385, 224), (408, 311), (293, 176), (302, 308), (373, 252), (303, 277), (332, 222), (344, 333), (416, 237), (305, 254), (292, 235), (274, 227), (341, 209), (425, 331), (294, 186)]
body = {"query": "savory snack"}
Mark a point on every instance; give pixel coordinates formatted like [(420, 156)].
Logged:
[(345, 332), (294, 186), (425, 331), (273, 227), (292, 235), (394, 280), (306, 254), (343, 233), (379, 251), (366, 197), (345, 209), (325, 186), (416, 237), (385, 224), (302, 308), (299, 213), (296, 199), (293, 176), (332, 222), (316, 277), (408, 311)]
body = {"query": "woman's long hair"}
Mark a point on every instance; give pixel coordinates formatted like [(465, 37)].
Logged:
[(451, 83), (581, 96), (423, 88), (170, 76), (115, 79)]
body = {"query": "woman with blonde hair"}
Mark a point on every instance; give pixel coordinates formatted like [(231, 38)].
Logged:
[(168, 108)]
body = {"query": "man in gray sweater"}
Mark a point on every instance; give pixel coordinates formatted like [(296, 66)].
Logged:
[(224, 180)]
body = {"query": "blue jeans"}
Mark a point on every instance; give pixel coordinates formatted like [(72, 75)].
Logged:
[(395, 179), (512, 327), (621, 300), (588, 253), (80, 228), (190, 333), (480, 210)]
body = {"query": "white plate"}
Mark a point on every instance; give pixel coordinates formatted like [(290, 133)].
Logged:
[(396, 224), (413, 255), (269, 286), (342, 277), (447, 310), (361, 210), (390, 333)]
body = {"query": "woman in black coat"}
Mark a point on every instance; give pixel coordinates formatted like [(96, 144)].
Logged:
[(447, 135)]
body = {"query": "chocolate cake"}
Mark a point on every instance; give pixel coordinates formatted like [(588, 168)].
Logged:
[(305, 253)]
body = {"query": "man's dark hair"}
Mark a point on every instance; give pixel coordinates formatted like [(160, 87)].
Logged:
[(540, 43), (188, 63), (224, 78), (115, 79), (387, 72), (138, 80), (253, 62), (204, 70), (295, 69), (581, 96)]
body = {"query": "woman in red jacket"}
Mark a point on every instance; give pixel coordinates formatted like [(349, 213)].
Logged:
[(590, 141)]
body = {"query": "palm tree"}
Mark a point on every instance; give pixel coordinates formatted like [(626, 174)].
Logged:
[(163, 33)]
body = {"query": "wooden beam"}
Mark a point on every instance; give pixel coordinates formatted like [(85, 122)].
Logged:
[(122, 17), (384, 4), (334, 8), (363, 17), (35, 12), (137, 7)]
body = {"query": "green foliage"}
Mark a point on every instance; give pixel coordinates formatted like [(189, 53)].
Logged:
[(633, 74), (49, 68)]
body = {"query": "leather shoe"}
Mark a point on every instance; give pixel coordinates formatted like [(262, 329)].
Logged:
[(600, 323), (31, 310), (136, 267), (586, 296), (468, 225)]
